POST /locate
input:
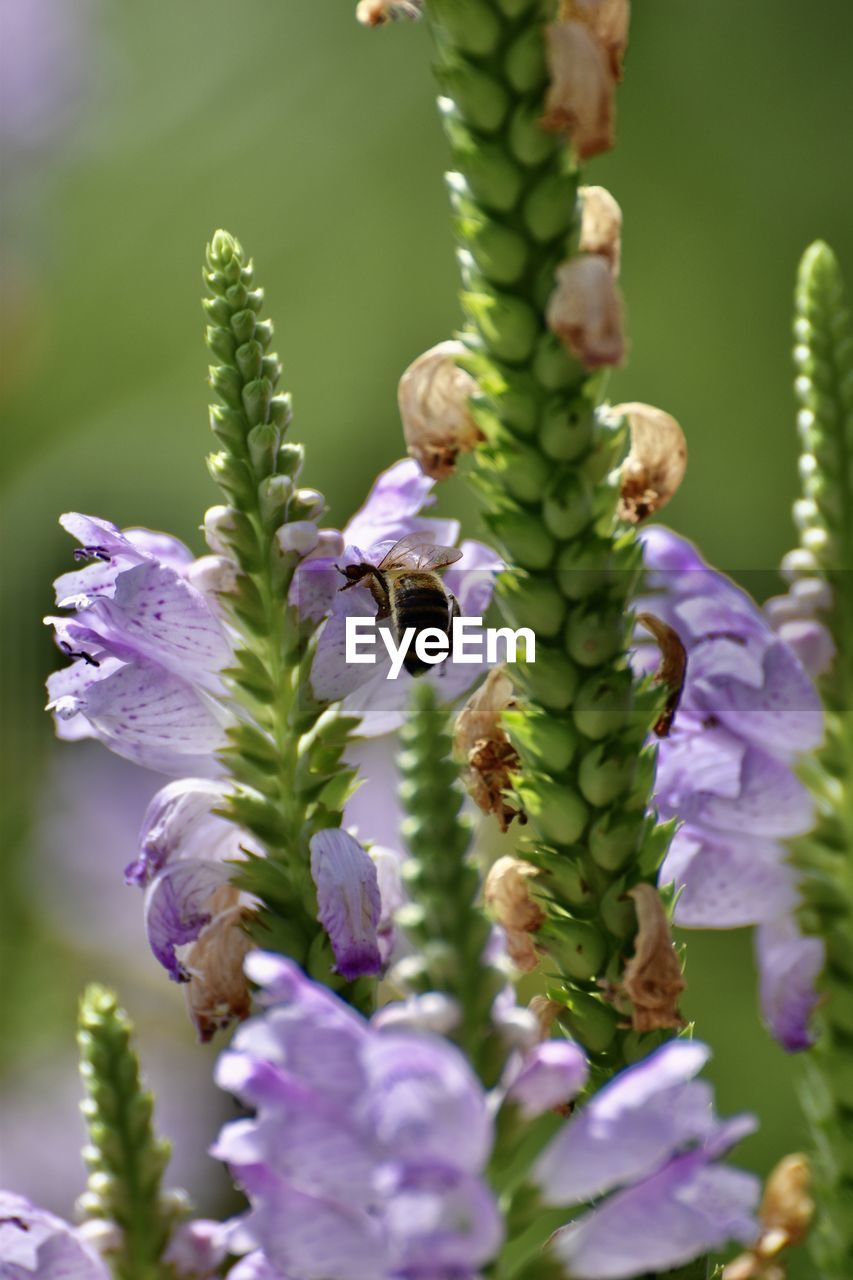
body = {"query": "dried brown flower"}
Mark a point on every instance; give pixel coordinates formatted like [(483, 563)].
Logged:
[(580, 99), (672, 669), (585, 311), (601, 226), (652, 979), (545, 1012), (434, 395), (508, 896), (218, 992), (482, 743), (655, 466), (786, 1214), (607, 21), (375, 13)]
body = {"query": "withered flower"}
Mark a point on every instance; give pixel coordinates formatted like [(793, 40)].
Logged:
[(375, 13), (672, 670), (655, 465), (545, 1012), (580, 98), (217, 992), (652, 979), (607, 20), (434, 398), (601, 226), (508, 896), (786, 1214), (585, 311), (483, 745)]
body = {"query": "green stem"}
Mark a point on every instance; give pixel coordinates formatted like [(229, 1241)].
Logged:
[(445, 920), (824, 387), (285, 752), (545, 472), (125, 1160)]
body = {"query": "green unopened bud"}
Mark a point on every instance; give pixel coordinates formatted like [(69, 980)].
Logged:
[(594, 637), (518, 401), (509, 325), (612, 841), (550, 208), (542, 741), (584, 570), (526, 473), (525, 60), (551, 680), (493, 180), (306, 504), (472, 26), (531, 600), (618, 912), (256, 397), (250, 360), (554, 367), (229, 427), (233, 477), (566, 429), (603, 776), (603, 706), (528, 142), (527, 543), (591, 1021), (557, 812), (221, 342), (577, 946), (567, 508), (263, 443), (227, 384), (273, 496), (482, 100), (565, 876)]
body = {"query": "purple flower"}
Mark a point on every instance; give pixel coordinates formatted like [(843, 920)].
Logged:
[(649, 1142), (549, 1075), (365, 1157), (391, 511), (349, 904), (34, 1243), (748, 711), (148, 649)]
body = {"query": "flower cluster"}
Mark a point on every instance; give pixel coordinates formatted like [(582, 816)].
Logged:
[(366, 1158), (748, 710)]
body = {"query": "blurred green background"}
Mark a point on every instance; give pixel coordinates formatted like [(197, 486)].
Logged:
[(129, 133)]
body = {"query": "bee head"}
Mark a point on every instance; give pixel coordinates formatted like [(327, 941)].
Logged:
[(353, 574)]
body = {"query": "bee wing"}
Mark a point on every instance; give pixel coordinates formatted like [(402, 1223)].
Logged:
[(417, 551)]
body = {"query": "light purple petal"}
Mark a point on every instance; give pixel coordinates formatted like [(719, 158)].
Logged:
[(374, 812), (549, 1075), (332, 677), (424, 1103), (161, 546), (315, 585), (789, 964), (160, 617), (177, 908), (318, 1239), (397, 497), (348, 901), (179, 823), (727, 880), (631, 1127), (34, 1242), (687, 1209), (441, 1224), (811, 642), (196, 1248), (255, 1266), (154, 718)]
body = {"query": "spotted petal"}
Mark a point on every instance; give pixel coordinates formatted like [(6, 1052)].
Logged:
[(727, 880)]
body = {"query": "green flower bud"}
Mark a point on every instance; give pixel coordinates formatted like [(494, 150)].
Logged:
[(564, 876), (584, 569), (525, 61), (594, 637), (232, 476), (229, 427), (553, 365), (527, 543), (482, 100), (566, 429), (603, 705), (567, 508), (603, 776), (577, 946), (472, 25), (557, 812), (273, 497), (508, 324), (525, 472), (590, 1021), (263, 443), (549, 210), (528, 141), (552, 680), (500, 253), (541, 740), (493, 180), (290, 459), (256, 400), (531, 601), (618, 912)]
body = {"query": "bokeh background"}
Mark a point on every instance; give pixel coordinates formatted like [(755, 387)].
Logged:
[(128, 133)]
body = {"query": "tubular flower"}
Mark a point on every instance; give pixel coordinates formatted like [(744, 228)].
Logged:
[(38, 1244), (148, 650), (391, 511), (365, 1157), (646, 1147), (748, 709)]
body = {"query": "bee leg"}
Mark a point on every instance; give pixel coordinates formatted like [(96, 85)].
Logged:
[(455, 608)]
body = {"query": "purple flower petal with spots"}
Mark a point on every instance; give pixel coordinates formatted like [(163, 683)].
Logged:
[(790, 964), (728, 881), (177, 908), (349, 906), (179, 823)]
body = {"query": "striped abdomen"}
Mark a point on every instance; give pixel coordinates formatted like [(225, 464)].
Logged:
[(418, 600)]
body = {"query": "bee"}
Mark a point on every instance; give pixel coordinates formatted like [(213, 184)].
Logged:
[(408, 590)]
